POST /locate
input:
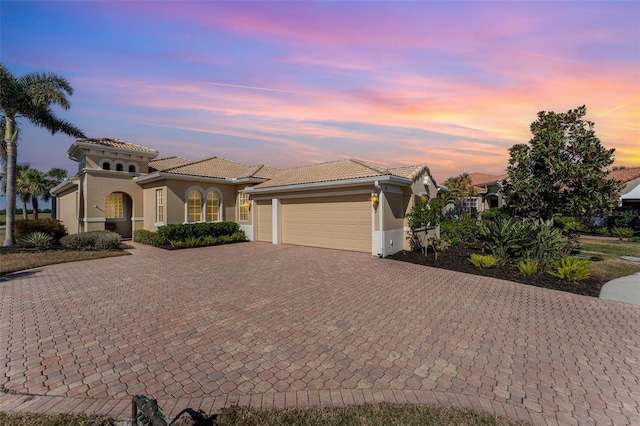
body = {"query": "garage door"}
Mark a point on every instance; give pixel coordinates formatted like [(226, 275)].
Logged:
[(331, 222), (265, 226)]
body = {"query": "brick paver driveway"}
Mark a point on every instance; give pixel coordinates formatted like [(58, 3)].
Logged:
[(282, 325)]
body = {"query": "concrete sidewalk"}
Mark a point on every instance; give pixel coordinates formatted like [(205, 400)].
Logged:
[(623, 289)]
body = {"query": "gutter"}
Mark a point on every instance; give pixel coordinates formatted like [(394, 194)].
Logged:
[(380, 216), (158, 175), (330, 184), (69, 183)]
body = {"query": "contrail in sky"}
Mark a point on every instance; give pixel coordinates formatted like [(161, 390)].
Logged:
[(268, 89), (618, 107)]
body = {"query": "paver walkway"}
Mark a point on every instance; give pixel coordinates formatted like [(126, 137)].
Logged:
[(267, 325)]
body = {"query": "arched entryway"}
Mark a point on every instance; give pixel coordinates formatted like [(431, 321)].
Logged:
[(118, 208)]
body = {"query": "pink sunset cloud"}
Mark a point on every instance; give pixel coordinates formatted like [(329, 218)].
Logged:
[(450, 85)]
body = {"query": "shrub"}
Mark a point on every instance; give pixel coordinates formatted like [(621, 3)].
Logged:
[(528, 267), (181, 232), (106, 240), (37, 240), (493, 213), (177, 244), (93, 240), (483, 261), (621, 232), (572, 269), (239, 237), (192, 241), (51, 227), (501, 238), (143, 236), (510, 239), (600, 230), (456, 231), (541, 243)]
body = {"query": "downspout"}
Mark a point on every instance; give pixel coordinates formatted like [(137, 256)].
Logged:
[(380, 216)]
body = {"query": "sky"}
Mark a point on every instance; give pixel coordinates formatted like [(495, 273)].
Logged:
[(449, 84)]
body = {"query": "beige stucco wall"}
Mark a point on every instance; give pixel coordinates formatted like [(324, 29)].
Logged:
[(92, 160), (97, 185), (175, 196), (395, 207), (68, 210)]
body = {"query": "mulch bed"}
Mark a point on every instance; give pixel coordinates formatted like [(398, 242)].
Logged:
[(457, 259)]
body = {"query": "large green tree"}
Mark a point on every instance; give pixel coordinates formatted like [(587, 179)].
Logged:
[(563, 169), (29, 97)]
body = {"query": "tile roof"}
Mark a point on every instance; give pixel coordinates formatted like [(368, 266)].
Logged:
[(483, 178), (266, 172), (625, 175), (216, 167), (335, 171), (167, 163), (117, 143)]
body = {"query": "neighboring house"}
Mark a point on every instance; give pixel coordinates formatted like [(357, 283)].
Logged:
[(345, 204), (489, 189), (630, 194), (490, 194)]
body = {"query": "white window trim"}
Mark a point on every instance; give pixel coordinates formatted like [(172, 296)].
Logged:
[(220, 209), (102, 163), (164, 210), (240, 193)]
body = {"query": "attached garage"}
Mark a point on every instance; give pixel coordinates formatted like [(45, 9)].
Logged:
[(265, 225), (338, 222), (344, 205)]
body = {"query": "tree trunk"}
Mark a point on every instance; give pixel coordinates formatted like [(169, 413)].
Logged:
[(24, 208), (10, 138), (34, 204)]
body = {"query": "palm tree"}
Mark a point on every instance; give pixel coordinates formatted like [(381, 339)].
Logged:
[(460, 188), (41, 183), (29, 97), (22, 188)]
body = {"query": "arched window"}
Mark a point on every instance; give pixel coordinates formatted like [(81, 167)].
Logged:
[(194, 206), (213, 207), (120, 167), (132, 168), (106, 166)]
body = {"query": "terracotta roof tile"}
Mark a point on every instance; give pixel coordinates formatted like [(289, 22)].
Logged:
[(625, 175), (215, 167), (483, 178), (266, 172), (409, 172), (167, 163), (116, 143), (335, 171)]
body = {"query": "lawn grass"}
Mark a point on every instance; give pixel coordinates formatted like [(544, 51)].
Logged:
[(367, 414), (610, 250), (29, 419), (21, 260)]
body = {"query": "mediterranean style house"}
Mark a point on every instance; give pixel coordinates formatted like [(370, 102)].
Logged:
[(346, 204)]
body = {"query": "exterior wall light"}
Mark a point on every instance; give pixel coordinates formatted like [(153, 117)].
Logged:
[(246, 205), (374, 198)]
